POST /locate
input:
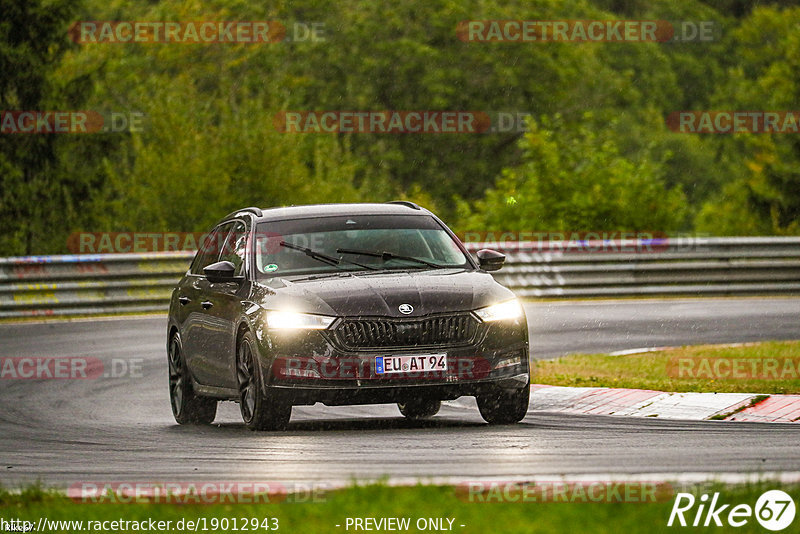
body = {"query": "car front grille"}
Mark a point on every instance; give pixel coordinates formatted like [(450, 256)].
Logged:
[(384, 333)]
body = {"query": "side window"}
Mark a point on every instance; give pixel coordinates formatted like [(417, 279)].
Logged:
[(210, 249), (235, 247)]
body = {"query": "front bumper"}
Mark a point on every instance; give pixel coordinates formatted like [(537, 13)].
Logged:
[(377, 394), (310, 367)]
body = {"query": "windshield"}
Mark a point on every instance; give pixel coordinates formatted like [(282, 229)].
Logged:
[(354, 243)]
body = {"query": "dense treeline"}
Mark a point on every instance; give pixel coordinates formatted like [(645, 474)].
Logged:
[(597, 153)]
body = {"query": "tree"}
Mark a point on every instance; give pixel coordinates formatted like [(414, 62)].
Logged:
[(576, 181), (37, 201), (763, 195)]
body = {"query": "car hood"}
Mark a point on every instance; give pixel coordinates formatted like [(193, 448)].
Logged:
[(382, 293)]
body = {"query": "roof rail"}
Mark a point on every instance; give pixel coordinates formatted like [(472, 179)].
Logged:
[(256, 211), (406, 203)]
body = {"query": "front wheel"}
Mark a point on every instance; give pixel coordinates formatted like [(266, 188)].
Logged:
[(260, 411), (504, 407), (419, 409), (187, 408)]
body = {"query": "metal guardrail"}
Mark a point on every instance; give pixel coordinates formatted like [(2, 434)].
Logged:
[(688, 266), (116, 283), (89, 284)]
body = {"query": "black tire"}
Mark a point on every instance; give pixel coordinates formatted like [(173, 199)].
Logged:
[(417, 409), (504, 407), (187, 408), (260, 411)]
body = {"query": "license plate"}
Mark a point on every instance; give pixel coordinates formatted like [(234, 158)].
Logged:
[(417, 363)]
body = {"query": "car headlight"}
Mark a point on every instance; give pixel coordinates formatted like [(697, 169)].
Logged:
[(287, 320), (502, 311)]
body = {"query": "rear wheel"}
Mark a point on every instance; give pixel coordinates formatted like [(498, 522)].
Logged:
[(419, 408), (187, 407), (503, 407), (260, 410)]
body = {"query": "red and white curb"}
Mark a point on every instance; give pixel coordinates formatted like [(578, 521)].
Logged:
[(663, 405)]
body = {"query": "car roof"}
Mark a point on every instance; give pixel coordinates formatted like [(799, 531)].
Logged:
[(333, 210)]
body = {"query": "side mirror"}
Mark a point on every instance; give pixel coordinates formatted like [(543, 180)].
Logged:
[(222, 271), (490, 260)]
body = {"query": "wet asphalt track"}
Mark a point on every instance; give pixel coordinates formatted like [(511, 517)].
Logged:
[(121, 429)]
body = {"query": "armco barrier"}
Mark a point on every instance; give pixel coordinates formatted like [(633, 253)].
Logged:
[(113, 283), (89, 284), (684, 266)]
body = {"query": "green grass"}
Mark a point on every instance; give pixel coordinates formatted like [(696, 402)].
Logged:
[(382, 501), (658, 370)]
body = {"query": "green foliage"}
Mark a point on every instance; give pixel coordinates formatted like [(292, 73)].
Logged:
[(577, 181), (600, 156), (38, 199), (191, 158), (762, 195)]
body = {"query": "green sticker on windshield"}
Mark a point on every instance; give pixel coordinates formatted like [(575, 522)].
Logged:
[(271, 267)]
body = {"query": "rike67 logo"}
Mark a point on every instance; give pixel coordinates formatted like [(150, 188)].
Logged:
[(774, 510)]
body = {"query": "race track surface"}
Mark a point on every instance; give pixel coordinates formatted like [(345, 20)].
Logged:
[(121, 429)]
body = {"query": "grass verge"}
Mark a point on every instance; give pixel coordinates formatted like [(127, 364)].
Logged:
[(771, 367), (380, 501)]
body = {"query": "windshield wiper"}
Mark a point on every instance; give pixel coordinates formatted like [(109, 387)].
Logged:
[(311, 253), (386, 256), (324, 258)]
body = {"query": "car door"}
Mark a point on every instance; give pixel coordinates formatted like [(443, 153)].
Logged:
[(222, 302), (198, 327)]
